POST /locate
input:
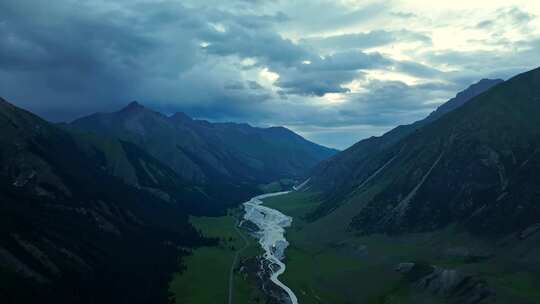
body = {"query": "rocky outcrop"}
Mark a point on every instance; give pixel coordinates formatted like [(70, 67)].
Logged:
[(452, 284)]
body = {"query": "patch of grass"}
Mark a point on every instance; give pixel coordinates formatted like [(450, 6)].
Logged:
[(218, 227), (316, 277), (520, 284), (206, 279), (296, 204), (329, 264), (279, 185)]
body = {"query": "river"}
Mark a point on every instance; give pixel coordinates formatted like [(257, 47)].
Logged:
[(271, 235)]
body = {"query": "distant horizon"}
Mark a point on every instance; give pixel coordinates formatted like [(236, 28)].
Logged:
[(355, 71), (169, 114)]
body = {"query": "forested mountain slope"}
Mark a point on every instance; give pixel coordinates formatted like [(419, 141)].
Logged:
[(70, 232)]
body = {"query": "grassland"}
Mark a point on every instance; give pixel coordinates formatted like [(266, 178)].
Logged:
[(326, 263), (276, 186), (206, 278)]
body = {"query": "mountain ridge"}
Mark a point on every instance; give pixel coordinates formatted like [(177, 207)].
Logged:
[(458, 168), (198, 149), (368, 147)]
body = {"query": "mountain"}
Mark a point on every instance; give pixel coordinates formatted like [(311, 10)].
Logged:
[(71, 232), (338, 176), (476, 166), (136, 167), (210, 153)]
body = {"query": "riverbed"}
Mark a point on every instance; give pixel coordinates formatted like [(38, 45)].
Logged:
[(271, 226)]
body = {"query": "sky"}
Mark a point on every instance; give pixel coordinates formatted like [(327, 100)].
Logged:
[(333, 71)]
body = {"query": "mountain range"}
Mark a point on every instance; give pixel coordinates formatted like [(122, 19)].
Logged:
[(214, 157), (200, 151), (473, 165), (97, 210)]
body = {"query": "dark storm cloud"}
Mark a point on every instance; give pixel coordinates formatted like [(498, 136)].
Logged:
[(254, 85), (235, 86), (328, 74), (316, 83), (265, 45), (264, 62), (79, 57), (346, 61), (71, 57)]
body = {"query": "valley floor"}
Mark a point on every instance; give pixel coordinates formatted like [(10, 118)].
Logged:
[(206, 278), (329, 264), (347, 268)]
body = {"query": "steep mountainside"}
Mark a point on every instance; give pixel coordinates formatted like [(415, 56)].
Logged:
[(72, 233), (136, 167), (210, 153), (341, 174), (478, 166)]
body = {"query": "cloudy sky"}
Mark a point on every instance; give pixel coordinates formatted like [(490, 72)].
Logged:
[(334, 71)]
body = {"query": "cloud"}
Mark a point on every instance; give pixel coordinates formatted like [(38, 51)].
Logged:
[(377, 109), (404, 15), (308, 17), (77, 57), (365, 40), (316, 83), (254, 85), (236, 85), (336, 71), (323, 75), (507, 17), (261, 44)]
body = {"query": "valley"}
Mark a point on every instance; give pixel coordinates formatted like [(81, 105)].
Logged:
[(422, 214), (358, 239), (350, 265), (59, 182), (264, 244), (269, 152)]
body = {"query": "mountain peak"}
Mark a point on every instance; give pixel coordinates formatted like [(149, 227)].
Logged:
[(463, 97), (133, 106), (483, 85)]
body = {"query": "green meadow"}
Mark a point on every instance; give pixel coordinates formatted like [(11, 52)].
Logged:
[(206, 278), (328, 263)]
